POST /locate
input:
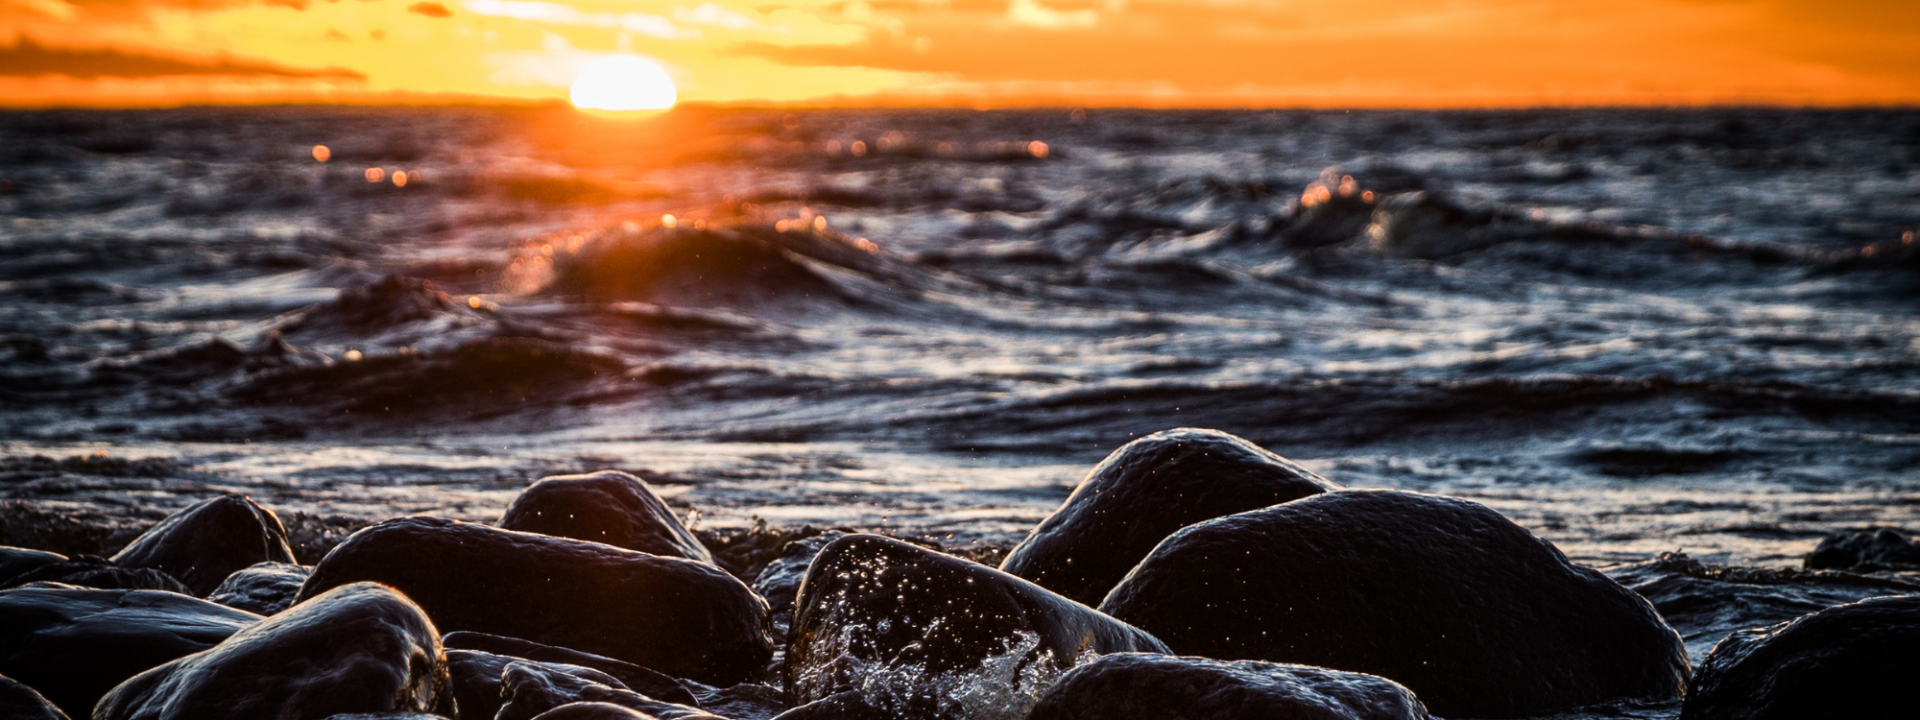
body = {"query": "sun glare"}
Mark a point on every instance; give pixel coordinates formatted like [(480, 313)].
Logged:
[(623, 84)]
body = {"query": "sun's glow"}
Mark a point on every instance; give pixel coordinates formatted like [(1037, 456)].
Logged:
[(623, 83)]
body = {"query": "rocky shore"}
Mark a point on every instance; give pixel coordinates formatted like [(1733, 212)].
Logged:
[(1192, 574)]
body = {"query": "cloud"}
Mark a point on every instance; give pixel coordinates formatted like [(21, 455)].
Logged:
[(633, 22), (711, 14), (430, 9), (27, 58), (1032, 14)]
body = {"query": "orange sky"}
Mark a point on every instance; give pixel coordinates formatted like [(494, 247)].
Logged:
[(1356, 53)]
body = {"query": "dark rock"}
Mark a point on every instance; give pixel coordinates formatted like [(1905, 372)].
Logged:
[(203, 544), (534, 688), (265, 588), (1447, 597), (779, 581), (746, 701), (14, 561), (851, 705), (609, 507), (901, 622), (1706, 602), (593, 711), (97, 572), (19, 702), (359, 648), (474, 679), (1845, 662), (1142, 493), (1134, 685), (1865, 551), (387, 716), (681, 617), (74, 644), (645, 681)]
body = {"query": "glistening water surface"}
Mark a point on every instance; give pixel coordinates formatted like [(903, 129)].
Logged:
[(1629, 330)]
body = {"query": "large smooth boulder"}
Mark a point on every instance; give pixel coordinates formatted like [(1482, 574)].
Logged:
[(359, 648), (609, 507), (74, 644), (681, 617), (1142, 493), (15, 560), (203, 544), (1445, 596), (1865, 551), (531, 689), (897, 620), (1846, 662), (645, 681), (779, 582), (19, 702), (100, 573), (593, 711), (265, 588), (1135, 685)]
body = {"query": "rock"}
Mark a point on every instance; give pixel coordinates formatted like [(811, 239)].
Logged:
[(609, 507), (1706, 602), (265, 588), (645, 681), (386, 716), (1865, 551), (898, 621), (592, 711), (14, 561), (359, 648), (1142, 493), (1447, 597), (684, 618), (746, 701), (779, 581), (852, 705), (74, 644), (531, 689), (97, 572), (203, 544), (1845, 662), (474, 679), (19, 702), (1134, 685)]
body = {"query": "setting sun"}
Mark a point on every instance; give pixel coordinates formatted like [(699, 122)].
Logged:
[(623, 83)]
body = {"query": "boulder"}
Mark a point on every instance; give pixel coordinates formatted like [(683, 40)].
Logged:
[(1142, 493), (387, 716), (359, 648), (650, 683), (97, 572), (1445, 596), (853, 705), (265, 588), (593, 711), (779, 581), (1845, 662), (898, 621), (1865, 551), (1134, 685), (681, 617), (746, 701), (609, 507), (19, 702), (203, 544), (74, 644), (531, 689), (14, 561)]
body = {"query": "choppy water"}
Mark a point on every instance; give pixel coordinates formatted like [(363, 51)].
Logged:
[(1631, 331)]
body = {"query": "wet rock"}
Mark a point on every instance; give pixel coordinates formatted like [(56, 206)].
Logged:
[(900, 622), (19, 702), (609, 507), (1142, 493), (1134, 685), (779, 581), (359, 648), (746, 701), (1706, 602), (97, 572), (203, 544), (387, 716), (14, 561), (1447, 597), (1849, 661), (592, 711), (851, 705), (531, 689), (74, 644), (642, 680), (474, 679), (684, 618), (1866, 551), (265, 588)]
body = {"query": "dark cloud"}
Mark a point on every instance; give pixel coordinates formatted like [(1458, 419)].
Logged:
[(27, 58), (430, 9)]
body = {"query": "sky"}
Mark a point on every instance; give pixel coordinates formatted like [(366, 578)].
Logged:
[(982, 53)]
